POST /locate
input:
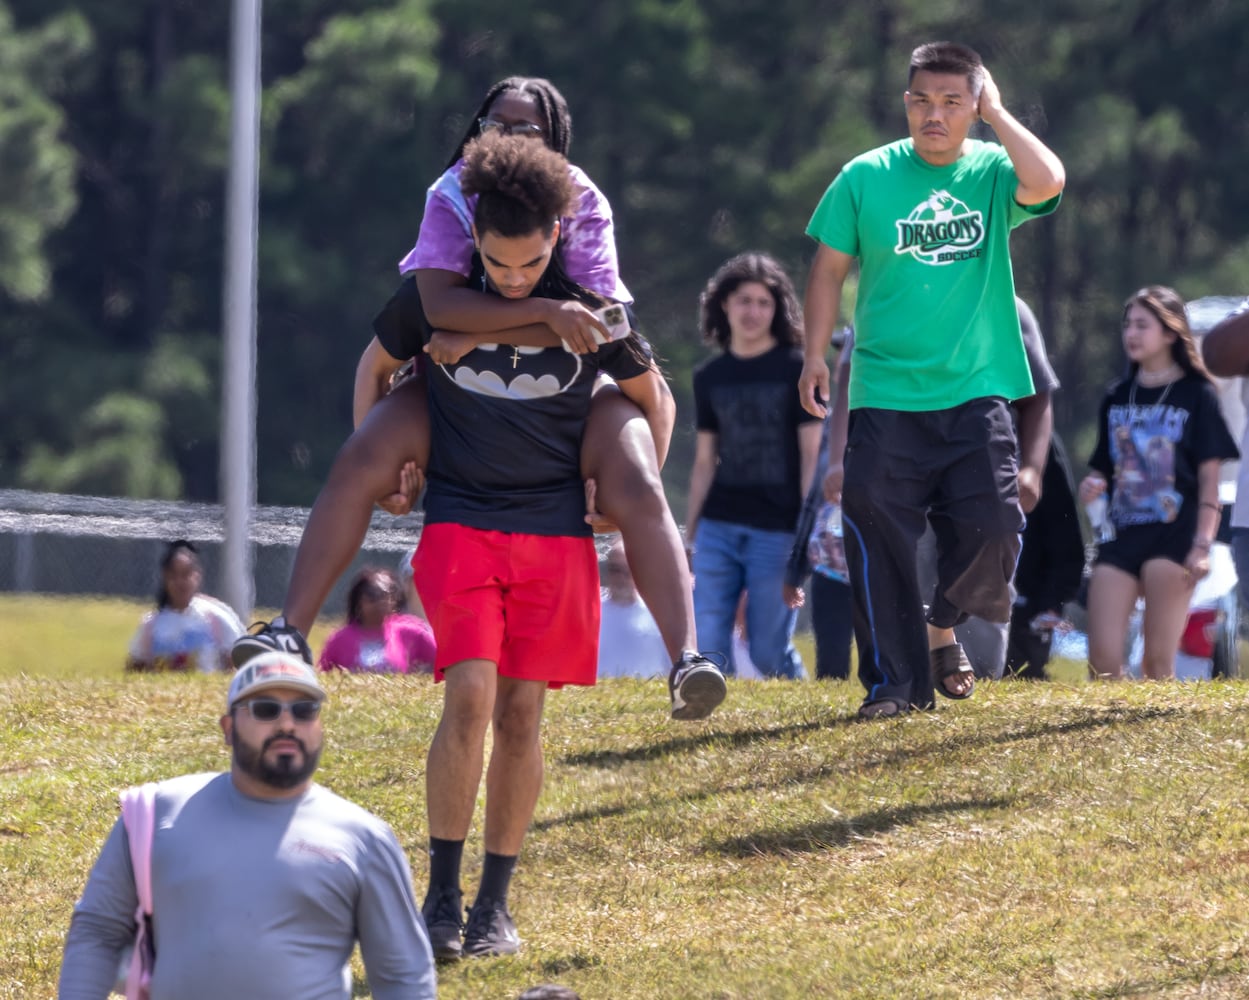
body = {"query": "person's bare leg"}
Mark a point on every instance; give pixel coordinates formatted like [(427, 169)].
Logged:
[(618, 453), (514, 777), (365, 470), (1112, 595), (454, 766), (1168, 589)]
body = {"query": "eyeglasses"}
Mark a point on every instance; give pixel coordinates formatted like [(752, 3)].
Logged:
[(488, 125), (270, 709)]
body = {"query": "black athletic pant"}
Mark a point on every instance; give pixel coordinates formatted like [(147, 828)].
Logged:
[(960, 468), (832, 623), (1027, 653)]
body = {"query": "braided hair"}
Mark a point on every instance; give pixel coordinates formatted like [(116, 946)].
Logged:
[(544, 94)]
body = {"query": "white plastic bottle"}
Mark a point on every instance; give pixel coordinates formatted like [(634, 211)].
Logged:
[(826, 548)]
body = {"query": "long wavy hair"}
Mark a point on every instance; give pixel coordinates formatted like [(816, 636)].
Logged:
[(1168, 308), (747, 267)]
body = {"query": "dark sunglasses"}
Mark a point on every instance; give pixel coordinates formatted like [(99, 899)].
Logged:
[(270, 709)]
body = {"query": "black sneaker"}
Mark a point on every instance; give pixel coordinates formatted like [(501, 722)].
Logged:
[(269, 637), (490, 930), (696, 686), (443, 912)]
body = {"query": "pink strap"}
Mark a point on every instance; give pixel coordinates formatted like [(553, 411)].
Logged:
[(138, 813)]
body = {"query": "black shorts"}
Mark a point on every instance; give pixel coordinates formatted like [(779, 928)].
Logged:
[(1134, 546)]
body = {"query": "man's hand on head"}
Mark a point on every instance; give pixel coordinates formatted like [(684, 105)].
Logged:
[(990, 103)]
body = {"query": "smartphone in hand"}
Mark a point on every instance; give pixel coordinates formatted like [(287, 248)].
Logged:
[(616, 318)]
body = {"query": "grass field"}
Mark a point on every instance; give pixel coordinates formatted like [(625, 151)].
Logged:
[(1040, 840)]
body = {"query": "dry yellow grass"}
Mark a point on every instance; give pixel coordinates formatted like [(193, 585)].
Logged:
[(1061, 840)]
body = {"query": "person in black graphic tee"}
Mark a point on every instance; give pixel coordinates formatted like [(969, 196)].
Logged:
[(757, 450), (506, 567), (1161, 438)]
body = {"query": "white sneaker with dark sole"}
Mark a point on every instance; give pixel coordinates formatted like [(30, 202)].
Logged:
[(696, 686), (270, 637)]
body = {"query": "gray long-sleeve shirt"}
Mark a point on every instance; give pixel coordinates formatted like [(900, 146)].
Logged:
[(255, 898)]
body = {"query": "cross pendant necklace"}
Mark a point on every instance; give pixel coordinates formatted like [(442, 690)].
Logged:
[(515, 356)]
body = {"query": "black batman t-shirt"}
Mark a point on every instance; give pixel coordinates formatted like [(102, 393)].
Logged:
[(505, 424)]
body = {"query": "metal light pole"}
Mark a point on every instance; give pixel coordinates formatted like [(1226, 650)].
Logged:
[(238, 394)]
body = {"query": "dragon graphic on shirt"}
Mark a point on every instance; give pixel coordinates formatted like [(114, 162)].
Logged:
[(941, 230)]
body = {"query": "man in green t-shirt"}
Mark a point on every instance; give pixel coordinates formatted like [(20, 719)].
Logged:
[(938, 354)]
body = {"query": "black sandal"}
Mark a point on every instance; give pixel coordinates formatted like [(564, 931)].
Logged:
[(883, 708), (947, 662)]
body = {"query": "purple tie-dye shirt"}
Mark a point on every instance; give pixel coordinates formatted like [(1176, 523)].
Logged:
[(445, 241)]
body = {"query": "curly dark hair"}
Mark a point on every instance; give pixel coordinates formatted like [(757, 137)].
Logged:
[(544, 94), (1167, 306), (521, 185), (746, 267), (373, 578)]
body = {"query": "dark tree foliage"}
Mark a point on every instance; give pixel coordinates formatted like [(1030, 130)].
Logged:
[(713, 126)]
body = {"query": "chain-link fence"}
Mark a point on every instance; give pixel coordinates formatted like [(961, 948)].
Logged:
[(52, 543), (56, 544)]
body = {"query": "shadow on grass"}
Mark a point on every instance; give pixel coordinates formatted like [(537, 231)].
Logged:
[(1222, 979), (815, 837), (728, 740), (945, 744), (1086, 718)]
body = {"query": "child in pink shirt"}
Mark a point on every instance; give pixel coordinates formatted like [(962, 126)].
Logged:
[(378, 637)]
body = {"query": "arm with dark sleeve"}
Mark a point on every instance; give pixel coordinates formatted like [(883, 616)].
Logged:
[(1057, 536), (393, 942), (1036, 423), (1035, 413), (839, 424), (1212, 445), (799, 566), (102, 925)]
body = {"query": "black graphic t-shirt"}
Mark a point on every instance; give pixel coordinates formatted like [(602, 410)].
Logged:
[(505, 424), (1150, 444), (752, 405)]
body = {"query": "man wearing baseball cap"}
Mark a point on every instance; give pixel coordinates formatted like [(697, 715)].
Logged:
[(262, 881)]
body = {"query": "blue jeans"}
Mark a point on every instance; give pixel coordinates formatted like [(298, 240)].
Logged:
[(729, 559)]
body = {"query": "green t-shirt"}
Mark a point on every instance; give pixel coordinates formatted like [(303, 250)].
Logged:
[(935, 322)]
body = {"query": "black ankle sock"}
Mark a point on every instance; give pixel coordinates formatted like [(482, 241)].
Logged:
[(444, 862), (496, 876)]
